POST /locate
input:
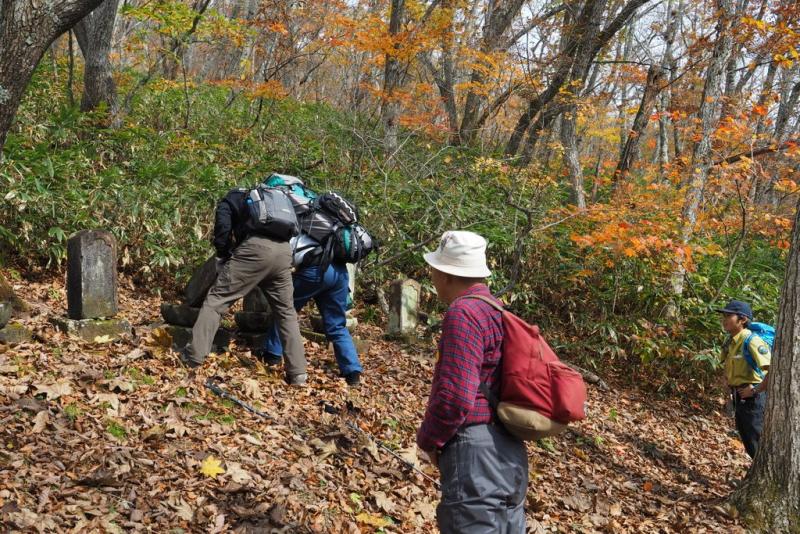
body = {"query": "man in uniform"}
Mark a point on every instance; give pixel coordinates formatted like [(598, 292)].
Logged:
[(748, 384)]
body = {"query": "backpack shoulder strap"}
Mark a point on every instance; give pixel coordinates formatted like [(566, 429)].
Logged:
[(497, 306), (748, 356)]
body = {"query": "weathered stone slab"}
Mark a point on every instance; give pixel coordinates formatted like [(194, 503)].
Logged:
[(313, 336), (317, 325), (91, 275), (5, 313), (179, 314), (93, 329), (258, 322), (362, 345), (403, 306), (182, 335), (15, 333), (351, 277), (253, 340), (201, 281), (7, 295), (255, 301)]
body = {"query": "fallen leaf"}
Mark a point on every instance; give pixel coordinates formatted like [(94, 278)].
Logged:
[(373, 520), (121, 384), (383, 502), (410, 455), (237, 474), (102, 339), (252, 388), (183, 510), (211, 467), (577, 501), (161, 338), (55, 390), (40, 421)]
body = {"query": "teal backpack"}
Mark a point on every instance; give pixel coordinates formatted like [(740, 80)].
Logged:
[(765, 332)]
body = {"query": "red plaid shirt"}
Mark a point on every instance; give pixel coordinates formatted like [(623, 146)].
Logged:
[(469, 353)]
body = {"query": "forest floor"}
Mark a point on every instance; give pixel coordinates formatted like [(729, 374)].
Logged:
[(120, 437)]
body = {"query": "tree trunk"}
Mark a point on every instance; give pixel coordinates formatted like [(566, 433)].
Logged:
[(500, 15), (392, 80), (788, 102), (590, 41), (572, 157), (172, 58), (444, 75), (709, 115), (94, 34), (27, 29), (630, 152), (769, 498), (667, 66), (543, 122)]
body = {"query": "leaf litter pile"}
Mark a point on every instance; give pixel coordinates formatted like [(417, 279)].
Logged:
[(119, 437)]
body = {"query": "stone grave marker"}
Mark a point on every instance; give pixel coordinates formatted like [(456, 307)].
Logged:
[(403, 306), (92, 287)]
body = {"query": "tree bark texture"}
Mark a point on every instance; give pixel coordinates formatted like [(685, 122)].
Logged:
[(769, 498), (392, 80), (94, 34), (592, 42), (27, 28), (709, 115), (572, 157), (630, 152), (500, 15)]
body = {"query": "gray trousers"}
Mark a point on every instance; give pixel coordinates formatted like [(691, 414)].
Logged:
[(256, 261), (484, 479)]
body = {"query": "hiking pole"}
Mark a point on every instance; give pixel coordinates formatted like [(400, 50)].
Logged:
[(332, 409), (218, 391)]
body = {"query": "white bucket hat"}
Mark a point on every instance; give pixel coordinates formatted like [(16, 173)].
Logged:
[(461, 254)]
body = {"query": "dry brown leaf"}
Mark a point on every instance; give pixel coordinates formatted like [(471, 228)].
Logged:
[(40, 421), (54, 390), (236, 473)]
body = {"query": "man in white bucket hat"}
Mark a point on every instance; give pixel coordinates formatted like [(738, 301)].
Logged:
[(483, 468)]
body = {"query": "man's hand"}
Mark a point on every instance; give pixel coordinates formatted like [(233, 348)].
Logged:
[(745, 392), (221, 263), (433, 456)]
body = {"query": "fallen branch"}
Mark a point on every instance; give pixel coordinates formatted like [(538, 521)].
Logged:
[(590, 377)]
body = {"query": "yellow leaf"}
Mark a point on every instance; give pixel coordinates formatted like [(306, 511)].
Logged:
[(211, 467), (102, 339), (161, 338), (373, 520)]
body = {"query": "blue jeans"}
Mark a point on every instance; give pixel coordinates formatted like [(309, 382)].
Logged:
[(331, 292)]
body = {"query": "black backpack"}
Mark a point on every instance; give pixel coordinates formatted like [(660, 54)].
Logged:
[(270, 213), (351, 243)]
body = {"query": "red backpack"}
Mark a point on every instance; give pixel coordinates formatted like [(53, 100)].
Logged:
[(539, 395)]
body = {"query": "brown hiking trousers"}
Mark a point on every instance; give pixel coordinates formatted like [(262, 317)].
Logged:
[(256, 261)]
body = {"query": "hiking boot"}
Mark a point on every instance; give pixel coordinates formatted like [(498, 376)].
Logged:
[(183, 356), (297, 380), (267, 357), (353, 379)]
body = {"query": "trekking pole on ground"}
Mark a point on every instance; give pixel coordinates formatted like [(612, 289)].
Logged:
[(332, 409), (211, 384)]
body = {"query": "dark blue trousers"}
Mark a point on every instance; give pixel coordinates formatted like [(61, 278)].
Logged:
[(750, 420)]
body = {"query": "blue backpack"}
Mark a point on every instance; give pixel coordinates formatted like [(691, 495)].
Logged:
[(765, 332)]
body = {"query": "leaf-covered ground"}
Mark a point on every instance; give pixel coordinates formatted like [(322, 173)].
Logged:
[(119, 437)]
